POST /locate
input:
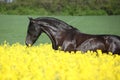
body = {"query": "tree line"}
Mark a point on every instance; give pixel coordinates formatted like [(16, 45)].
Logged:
[(61, 7)]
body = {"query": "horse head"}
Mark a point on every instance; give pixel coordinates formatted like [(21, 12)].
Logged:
[(34, 31)]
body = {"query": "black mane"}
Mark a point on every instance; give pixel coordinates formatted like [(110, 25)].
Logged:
[(55, 22)]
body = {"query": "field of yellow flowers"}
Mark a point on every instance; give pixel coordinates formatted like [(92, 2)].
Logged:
[(18, 62)]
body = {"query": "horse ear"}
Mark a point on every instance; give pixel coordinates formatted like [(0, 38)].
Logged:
[(31, 19)]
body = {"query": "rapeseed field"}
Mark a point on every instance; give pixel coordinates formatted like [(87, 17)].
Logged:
[(18, 62)]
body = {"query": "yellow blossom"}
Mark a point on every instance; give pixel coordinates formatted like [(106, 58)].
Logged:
[(18, 62)]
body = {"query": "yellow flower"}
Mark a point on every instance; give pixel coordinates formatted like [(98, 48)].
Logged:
[(18, 62)]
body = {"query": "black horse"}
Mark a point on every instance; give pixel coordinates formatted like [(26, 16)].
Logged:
[(69, 38)]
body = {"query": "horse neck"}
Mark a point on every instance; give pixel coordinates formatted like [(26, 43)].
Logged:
[(51, 32), (55, 32)]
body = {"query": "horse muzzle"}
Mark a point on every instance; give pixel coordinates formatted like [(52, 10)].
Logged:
[(28, 43)]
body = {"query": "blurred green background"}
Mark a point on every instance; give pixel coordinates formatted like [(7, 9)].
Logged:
[(13, 28), (89, 16), (60, 7)]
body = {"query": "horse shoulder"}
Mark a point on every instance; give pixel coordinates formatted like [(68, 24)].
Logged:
[(69, 43)]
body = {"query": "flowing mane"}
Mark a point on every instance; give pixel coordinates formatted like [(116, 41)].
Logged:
[(55, 22)]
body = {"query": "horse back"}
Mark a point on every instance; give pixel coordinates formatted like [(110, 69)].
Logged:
[(107, 43)]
